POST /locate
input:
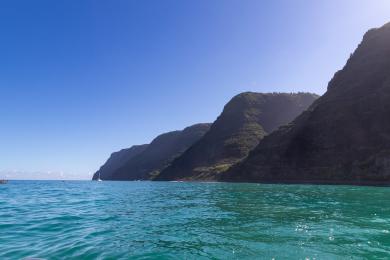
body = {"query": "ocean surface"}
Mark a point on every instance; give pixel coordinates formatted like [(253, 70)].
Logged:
[(172, 220)]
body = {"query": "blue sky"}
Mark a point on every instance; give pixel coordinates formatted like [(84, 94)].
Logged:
[(80, 79)]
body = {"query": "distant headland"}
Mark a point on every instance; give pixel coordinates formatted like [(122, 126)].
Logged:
[(341, 137)]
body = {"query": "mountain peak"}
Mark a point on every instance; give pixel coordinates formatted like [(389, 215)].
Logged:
[(141, 162), (387, 25), (343, 137), (244, 121)]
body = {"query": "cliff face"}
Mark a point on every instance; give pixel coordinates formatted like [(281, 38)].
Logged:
[(245, 120), (344, 137), (159, 153), (117, 160)]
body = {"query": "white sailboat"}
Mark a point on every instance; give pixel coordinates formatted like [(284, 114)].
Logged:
[(99, 177)]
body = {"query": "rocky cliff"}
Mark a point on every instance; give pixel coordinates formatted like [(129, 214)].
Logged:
[(117, 160), (158, 154), (245, 120), (344, 137)]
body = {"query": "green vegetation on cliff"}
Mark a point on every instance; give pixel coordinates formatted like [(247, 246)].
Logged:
[(157, 155), (344, 137), (117, 160), (245, 120)]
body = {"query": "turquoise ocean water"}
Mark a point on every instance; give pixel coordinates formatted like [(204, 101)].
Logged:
[(166, 220)]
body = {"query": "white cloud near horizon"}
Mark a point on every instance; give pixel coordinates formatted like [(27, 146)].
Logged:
[(16, 174)]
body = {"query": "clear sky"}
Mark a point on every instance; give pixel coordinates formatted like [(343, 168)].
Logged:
[(80, 79)]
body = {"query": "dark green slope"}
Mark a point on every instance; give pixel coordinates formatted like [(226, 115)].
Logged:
[(245, 120), (159, 153), (117, 160), (345, 135)]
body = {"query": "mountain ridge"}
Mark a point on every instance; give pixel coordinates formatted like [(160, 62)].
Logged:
[(159, 153), (244, 121), (117, 160), (343, 137)]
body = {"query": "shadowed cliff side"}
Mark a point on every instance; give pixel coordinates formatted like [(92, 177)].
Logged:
[(117, 160), (159, 153), (245, 120), (345, 135)]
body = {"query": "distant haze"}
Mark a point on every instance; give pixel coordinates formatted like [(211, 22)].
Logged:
[(40, 175), (80, 79)]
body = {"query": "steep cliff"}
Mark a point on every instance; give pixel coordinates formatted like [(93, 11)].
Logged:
[(344, 137), (117, 160), (245, 120), (159, 153)]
